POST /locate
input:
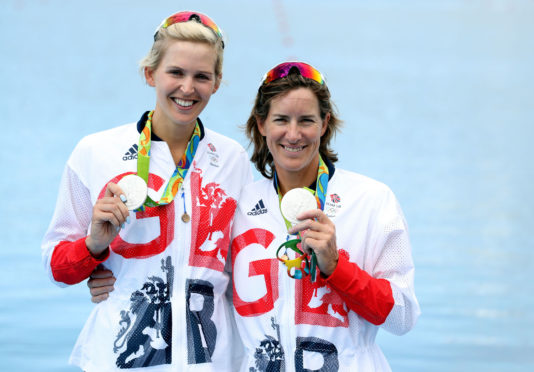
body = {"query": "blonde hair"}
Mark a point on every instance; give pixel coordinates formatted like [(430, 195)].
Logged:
[(183, 31)]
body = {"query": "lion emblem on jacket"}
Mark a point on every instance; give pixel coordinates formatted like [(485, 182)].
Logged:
[(145, 337), (269, 355)]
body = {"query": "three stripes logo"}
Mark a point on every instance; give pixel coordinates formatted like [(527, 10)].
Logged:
[(131, 153), (258, 209)]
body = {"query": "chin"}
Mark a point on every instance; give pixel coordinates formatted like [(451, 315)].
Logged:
[(185, 120), (292, 167)]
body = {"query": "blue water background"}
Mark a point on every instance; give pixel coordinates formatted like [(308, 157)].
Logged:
[(437, 99)]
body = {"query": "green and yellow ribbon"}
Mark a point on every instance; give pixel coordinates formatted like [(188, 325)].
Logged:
[(301, 264), (143, 163)]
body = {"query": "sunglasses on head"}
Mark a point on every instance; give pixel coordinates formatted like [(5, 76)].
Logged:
[(190, 16), (284, 69)]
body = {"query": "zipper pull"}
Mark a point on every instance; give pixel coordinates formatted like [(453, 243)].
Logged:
[(185, 217)]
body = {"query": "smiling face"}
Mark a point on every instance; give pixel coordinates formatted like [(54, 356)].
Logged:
[(184, 81), (292, 131)]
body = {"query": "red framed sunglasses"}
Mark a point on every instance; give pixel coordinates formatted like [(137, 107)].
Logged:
[(283, 69), (187, 16)]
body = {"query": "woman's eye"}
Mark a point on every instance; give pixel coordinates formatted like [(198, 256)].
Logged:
[(203, 77)]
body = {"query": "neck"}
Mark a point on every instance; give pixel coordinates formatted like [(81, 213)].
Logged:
[(302, 178), (175, 135)]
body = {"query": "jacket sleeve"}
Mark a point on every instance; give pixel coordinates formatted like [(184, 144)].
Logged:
[(369, 297), (64, 253), (382, 292)]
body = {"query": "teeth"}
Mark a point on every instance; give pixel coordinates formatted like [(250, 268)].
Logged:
[(183, 103), (293, 149)]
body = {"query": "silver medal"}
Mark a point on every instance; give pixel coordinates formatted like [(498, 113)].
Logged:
[(296, 201), (135, 190)]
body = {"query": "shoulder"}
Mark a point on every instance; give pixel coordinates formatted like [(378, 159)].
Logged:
[(225, 150), (114, 135), (114, 143), (217, 139), (362, 191), (365, 197), (255, 201), (260, 187), (345, 179)]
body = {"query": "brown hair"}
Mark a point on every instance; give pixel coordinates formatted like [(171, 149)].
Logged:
[(261, 157)]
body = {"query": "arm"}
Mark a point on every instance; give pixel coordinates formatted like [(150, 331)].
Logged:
[(69, 254), (389, 271), (392, 256), (72, 262), (383, 293), (370, 298)]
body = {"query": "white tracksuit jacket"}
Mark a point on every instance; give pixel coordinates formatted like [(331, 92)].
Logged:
[(168, 311), (294, 325)]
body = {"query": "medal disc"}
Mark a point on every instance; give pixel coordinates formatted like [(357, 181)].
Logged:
[(296, 201), (135, 190), (186, 218)]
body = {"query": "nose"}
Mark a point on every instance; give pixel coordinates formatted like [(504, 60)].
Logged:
[(293, 132), (187, 85)]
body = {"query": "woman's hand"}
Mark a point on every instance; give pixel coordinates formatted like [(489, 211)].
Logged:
[(109, 215), (318, 233), (100, 283)]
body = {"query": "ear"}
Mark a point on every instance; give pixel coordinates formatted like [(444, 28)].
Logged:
[(325, 123), (149, 76), (261, 126), (217, 84)]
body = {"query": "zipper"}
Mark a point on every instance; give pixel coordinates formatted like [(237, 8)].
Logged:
[(180, 274), (290, 311)]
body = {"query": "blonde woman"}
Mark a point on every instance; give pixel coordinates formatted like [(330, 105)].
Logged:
[(153, 203)]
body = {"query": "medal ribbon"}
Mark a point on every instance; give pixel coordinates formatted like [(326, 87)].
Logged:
[(301, 264), (143, 162)]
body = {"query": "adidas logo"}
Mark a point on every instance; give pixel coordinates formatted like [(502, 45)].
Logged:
[(258, 209), (131, 153)]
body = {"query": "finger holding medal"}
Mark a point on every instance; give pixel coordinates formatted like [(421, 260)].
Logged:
[(110, 213), (318, 234)]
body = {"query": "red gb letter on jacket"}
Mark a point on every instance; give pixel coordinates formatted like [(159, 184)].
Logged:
[(211, 217), (317, 303), (162, 216), (266, 267)]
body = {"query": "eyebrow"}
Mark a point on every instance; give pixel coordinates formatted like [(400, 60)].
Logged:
[(195, 72), (307, 116)]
